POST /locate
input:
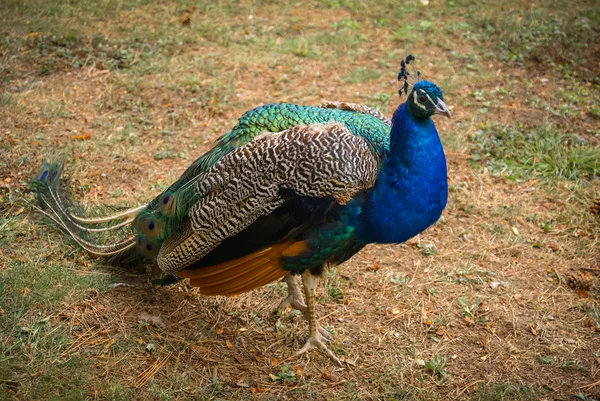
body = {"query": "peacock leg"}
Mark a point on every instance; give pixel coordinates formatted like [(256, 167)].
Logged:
[(315, 338), (294, 298), (296, 301)]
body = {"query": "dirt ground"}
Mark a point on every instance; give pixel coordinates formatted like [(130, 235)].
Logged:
[(499, 300)]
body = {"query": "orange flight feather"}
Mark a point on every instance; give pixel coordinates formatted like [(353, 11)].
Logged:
[(246, 273)]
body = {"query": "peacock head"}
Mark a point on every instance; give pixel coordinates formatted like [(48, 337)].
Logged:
[(425, 99)]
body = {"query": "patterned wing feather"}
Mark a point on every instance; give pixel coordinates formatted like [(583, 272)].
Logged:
[(282, 116), (316, 160)]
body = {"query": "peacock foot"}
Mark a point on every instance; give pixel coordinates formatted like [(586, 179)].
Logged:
[(327, 336), (296, 301), (317, 342), (293, 302)]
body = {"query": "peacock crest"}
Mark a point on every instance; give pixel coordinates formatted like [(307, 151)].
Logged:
[(407, 78)]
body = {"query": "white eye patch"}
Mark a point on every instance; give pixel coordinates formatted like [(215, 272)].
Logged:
[(416, 99)]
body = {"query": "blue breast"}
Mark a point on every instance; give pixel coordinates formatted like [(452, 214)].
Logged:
[(412, 188)]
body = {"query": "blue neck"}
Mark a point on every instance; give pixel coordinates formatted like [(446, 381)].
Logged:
[(412, 186)]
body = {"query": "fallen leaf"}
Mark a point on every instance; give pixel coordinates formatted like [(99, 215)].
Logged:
[(153, 320), (298, 371), (83, 137), (219, 331), (228, 344), (64, 315), (140, 341), (185, 19), (329, 376), (242, 384), (274, 361), (583, 293), (374, 267)]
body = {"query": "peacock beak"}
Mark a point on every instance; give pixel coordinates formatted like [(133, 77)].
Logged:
[(441, 108)]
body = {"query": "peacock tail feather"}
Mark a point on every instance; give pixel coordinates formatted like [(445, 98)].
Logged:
[(102, 232)]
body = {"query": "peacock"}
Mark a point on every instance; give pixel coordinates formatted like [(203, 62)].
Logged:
[(289, 191)]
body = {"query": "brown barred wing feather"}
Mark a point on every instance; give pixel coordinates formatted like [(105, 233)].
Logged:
[(313, 160)]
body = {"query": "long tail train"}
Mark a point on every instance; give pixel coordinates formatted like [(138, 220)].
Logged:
[(109, 236)]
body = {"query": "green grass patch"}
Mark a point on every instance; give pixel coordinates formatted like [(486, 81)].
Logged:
[(52, 52), (437, 366), (595, 314), (523, 152), (32, 344), (549, 35), (6, 100), (399, 390), (37, 286), (380, 101), (539, 35), (362, 74), (504, 392)]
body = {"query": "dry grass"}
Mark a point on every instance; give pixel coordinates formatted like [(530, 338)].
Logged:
[(480, 307)]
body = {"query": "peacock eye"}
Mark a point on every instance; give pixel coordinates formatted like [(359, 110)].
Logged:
[(422, 99)]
